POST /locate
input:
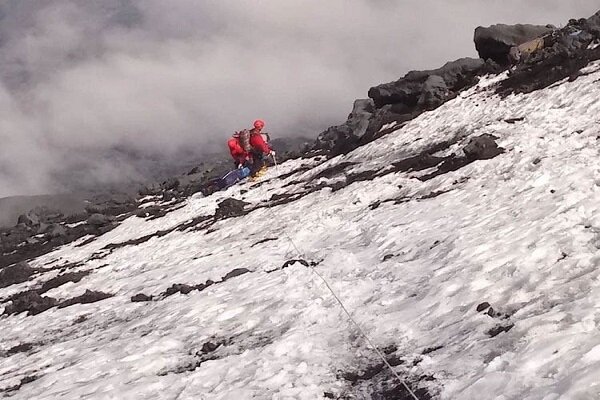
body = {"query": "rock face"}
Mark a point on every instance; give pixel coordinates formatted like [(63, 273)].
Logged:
[(482, 147), (230, 208), (15, 274), (400, 101), (456, 75), (343, 138), (564, 53), (495, 42)]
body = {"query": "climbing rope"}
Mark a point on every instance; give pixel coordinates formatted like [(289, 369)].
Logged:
[(345, 309)]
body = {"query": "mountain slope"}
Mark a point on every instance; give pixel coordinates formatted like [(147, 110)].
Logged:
[(413, 236)]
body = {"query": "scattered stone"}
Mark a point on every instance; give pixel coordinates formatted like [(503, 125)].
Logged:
[(514, 120), (209, 347), (483, 306), (432, 349), (234, 273), (263, 241), (140, 297), (495, 331), (388, 257), (80, 319), (179, 288)]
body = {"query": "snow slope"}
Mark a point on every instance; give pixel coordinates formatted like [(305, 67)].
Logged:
[(520, 231)]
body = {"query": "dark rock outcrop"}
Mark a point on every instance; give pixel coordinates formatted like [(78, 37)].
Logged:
[(90, 296), (31, 302), (344, 138), (400, 101), (456, 75), (564, 53), (229, 208), (483, 147), (140, 297), (98, 220), (17, 273), (495, 42)]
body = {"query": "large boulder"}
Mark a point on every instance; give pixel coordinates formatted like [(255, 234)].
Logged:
[(30, 219), (434, 93), (344, 138), (408, 90), (495, 42), (564, 53), (592, 24)]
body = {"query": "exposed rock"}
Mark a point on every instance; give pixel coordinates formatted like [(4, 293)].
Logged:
[(13, 274), (209, 347), (456, 75), (56, 230), (483, 306), (434, 93), (21, 348), (179, 288), (140, 297), (230, 208), (90, 296), (495, 42), (234, 273), (170, 184), (495, 331), (62, 279), (98, 220), (30, 219), (482, 147), (29, 301), (111, 204), (344, 138), (151, 190), (565, 52)]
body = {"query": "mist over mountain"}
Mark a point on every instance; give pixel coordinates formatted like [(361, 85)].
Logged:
[(82, 83)]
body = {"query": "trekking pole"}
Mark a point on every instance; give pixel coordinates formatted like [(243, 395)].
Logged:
[(274, 159)]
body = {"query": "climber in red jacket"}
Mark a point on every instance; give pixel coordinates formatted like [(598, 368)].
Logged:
[(248, 147)]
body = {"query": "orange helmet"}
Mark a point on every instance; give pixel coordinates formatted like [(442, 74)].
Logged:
[(259, 124)]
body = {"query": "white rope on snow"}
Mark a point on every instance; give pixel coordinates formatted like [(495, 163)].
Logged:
[(337, 298)]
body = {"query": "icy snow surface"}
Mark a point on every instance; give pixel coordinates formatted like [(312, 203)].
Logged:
[(520, 231)]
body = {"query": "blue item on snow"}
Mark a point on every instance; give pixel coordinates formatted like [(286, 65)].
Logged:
[(233, 177)]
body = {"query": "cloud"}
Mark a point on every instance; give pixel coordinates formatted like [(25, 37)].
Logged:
[(81, 78)]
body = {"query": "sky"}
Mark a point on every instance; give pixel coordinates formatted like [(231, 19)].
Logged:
[(155, 78)]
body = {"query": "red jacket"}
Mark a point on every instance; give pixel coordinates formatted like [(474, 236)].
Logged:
[(257, 143)]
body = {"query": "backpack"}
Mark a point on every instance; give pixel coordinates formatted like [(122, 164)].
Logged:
[(244, 139)]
